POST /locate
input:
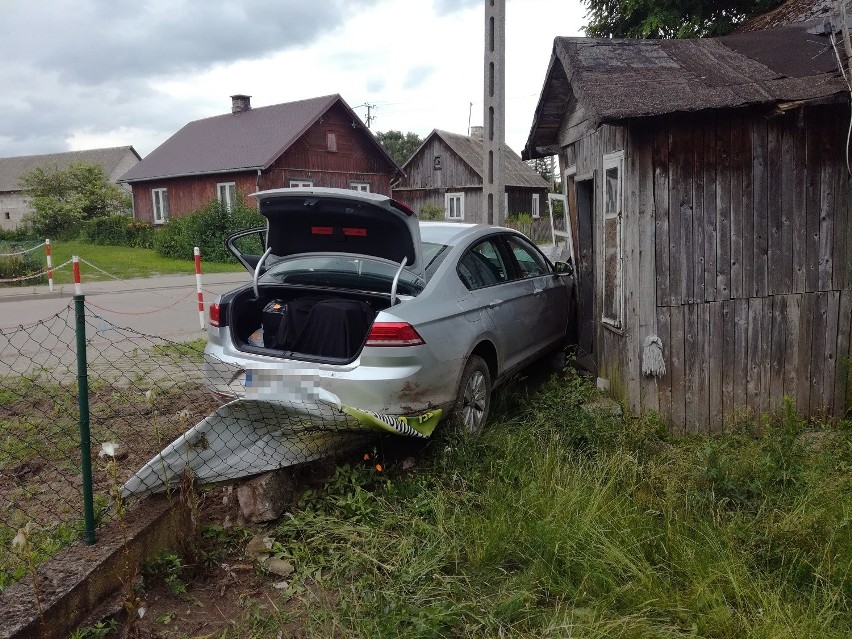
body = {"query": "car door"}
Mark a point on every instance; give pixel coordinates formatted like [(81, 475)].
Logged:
[(545, 307), (486, 273)]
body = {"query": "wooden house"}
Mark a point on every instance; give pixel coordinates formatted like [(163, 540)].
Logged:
[(709, 201), (315, 142), (115, 161), (446, 171)]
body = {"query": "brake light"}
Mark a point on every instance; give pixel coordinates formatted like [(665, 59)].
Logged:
[(399, 206), (393, 334), (215, 310)]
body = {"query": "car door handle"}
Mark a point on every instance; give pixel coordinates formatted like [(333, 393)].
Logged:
[(494, 303)]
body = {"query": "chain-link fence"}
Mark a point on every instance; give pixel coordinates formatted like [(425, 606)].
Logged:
[(90, 410)]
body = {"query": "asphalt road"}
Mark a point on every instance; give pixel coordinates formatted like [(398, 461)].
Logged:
[(37, 327)]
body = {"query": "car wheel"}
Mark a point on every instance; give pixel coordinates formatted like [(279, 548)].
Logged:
[(474, 397)]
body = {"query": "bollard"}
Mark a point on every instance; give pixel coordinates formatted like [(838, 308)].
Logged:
[(197, 255), (78, 288), (49, 265), (83, 403)]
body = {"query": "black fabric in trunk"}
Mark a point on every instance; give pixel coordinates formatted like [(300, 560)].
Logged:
[(334, 328)]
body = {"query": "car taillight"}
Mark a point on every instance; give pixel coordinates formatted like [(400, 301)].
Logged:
[(393, 334), (401, 206), (215, 315)]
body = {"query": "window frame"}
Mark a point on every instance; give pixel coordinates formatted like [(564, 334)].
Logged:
[(300, 184), (231, 194), (356, 186), (536, 206), (331, 141), (614, 160), (456, 195), (163, 216)]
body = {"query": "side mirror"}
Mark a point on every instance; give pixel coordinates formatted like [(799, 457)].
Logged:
[(563, 268)]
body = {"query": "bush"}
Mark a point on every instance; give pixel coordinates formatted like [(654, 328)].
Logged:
[(431, 212), (118, 230), (14, 266), (207, 229)]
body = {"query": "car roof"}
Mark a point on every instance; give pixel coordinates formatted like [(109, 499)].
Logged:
[(446, 232)]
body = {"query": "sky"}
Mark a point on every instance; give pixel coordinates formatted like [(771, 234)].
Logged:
[(99, 73)]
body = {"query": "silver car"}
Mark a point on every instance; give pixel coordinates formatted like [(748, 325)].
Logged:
[(357, 302)]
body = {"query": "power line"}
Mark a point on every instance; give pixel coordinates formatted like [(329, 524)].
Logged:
[(370, 117)]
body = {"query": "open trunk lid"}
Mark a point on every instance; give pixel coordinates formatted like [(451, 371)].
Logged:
[(325, 220)]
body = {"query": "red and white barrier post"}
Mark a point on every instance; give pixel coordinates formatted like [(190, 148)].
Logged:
[(78, 289), (49, 265), (197, 255)]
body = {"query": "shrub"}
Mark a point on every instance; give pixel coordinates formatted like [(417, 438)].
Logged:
[(207, 229), (118, 230), (14, 266), (431, 212)]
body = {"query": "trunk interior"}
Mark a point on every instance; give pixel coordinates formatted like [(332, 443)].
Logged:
[(299, 323)]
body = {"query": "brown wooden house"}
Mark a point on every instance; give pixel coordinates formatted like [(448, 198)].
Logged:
[(447, 171), (710, 205), (315, 142)]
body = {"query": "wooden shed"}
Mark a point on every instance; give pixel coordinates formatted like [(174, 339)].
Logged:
[(447, 171), (709, 200), (314, 142)]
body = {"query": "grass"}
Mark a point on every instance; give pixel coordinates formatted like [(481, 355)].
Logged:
[(561, 522), (125, 263)]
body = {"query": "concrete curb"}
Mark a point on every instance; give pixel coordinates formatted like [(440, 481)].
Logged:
[(81, 577)]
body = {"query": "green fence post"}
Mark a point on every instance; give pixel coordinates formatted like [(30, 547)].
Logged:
[(85, 437)]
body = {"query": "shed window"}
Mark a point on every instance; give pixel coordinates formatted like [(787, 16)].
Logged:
[(226, 193), (613, 293), (160, 199), (331, 141), (535, 204), (454, 206), (364, 187), (301, 183)]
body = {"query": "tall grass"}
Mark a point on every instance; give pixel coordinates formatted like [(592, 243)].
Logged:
[(566, 522)]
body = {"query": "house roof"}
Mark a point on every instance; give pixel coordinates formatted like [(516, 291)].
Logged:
[(246, 141), (469, 149), (11, 169), (600, 80), (790, 12)]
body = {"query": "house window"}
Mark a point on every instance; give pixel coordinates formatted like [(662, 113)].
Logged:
[(534, 209), (160, 198), (226, 192), (294, 184), (331, 141), (364, 187), (454, 206), (7, 216), (613, 302)]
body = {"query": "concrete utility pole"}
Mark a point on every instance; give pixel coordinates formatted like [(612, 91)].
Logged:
[(369, 117), (493, 161)]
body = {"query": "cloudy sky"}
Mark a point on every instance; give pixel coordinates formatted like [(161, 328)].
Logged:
[(97, 73)]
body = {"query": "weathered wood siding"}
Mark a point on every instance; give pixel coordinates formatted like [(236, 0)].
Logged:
[(738, 255)]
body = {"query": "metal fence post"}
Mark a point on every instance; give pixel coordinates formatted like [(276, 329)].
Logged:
[(83, 402)]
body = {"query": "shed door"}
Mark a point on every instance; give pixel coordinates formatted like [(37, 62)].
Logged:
[(585, 271)]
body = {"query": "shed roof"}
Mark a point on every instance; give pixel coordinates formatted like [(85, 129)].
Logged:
[(11, 169), (246, 141), (470, 149), (598, 80)]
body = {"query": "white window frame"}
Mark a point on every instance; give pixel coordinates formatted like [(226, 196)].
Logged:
[(230, 194), (160, 213), (614, 160), (331, 141), (458, 196), (536, 206), (363, 187), (295, 184)]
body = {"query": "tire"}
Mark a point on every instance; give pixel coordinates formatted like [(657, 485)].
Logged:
[(473, 400)]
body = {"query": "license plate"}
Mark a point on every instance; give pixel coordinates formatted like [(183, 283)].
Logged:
[(248, 379)]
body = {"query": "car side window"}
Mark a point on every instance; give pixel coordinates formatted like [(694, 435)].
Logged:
[(530, 262), (482, 265)]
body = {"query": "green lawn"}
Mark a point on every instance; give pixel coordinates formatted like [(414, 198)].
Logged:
[(124, 262)]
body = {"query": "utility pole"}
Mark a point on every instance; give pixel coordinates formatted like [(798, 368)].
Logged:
[(494, 112), (370, 117)]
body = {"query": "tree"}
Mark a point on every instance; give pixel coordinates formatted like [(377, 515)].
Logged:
[(669, 18), (63, 198), (398, 145)]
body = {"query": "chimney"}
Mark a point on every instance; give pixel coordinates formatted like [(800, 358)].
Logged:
[(240, 103), (476, 132)]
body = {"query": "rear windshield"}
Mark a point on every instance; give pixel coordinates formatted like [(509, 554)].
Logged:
[(355, 273)]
